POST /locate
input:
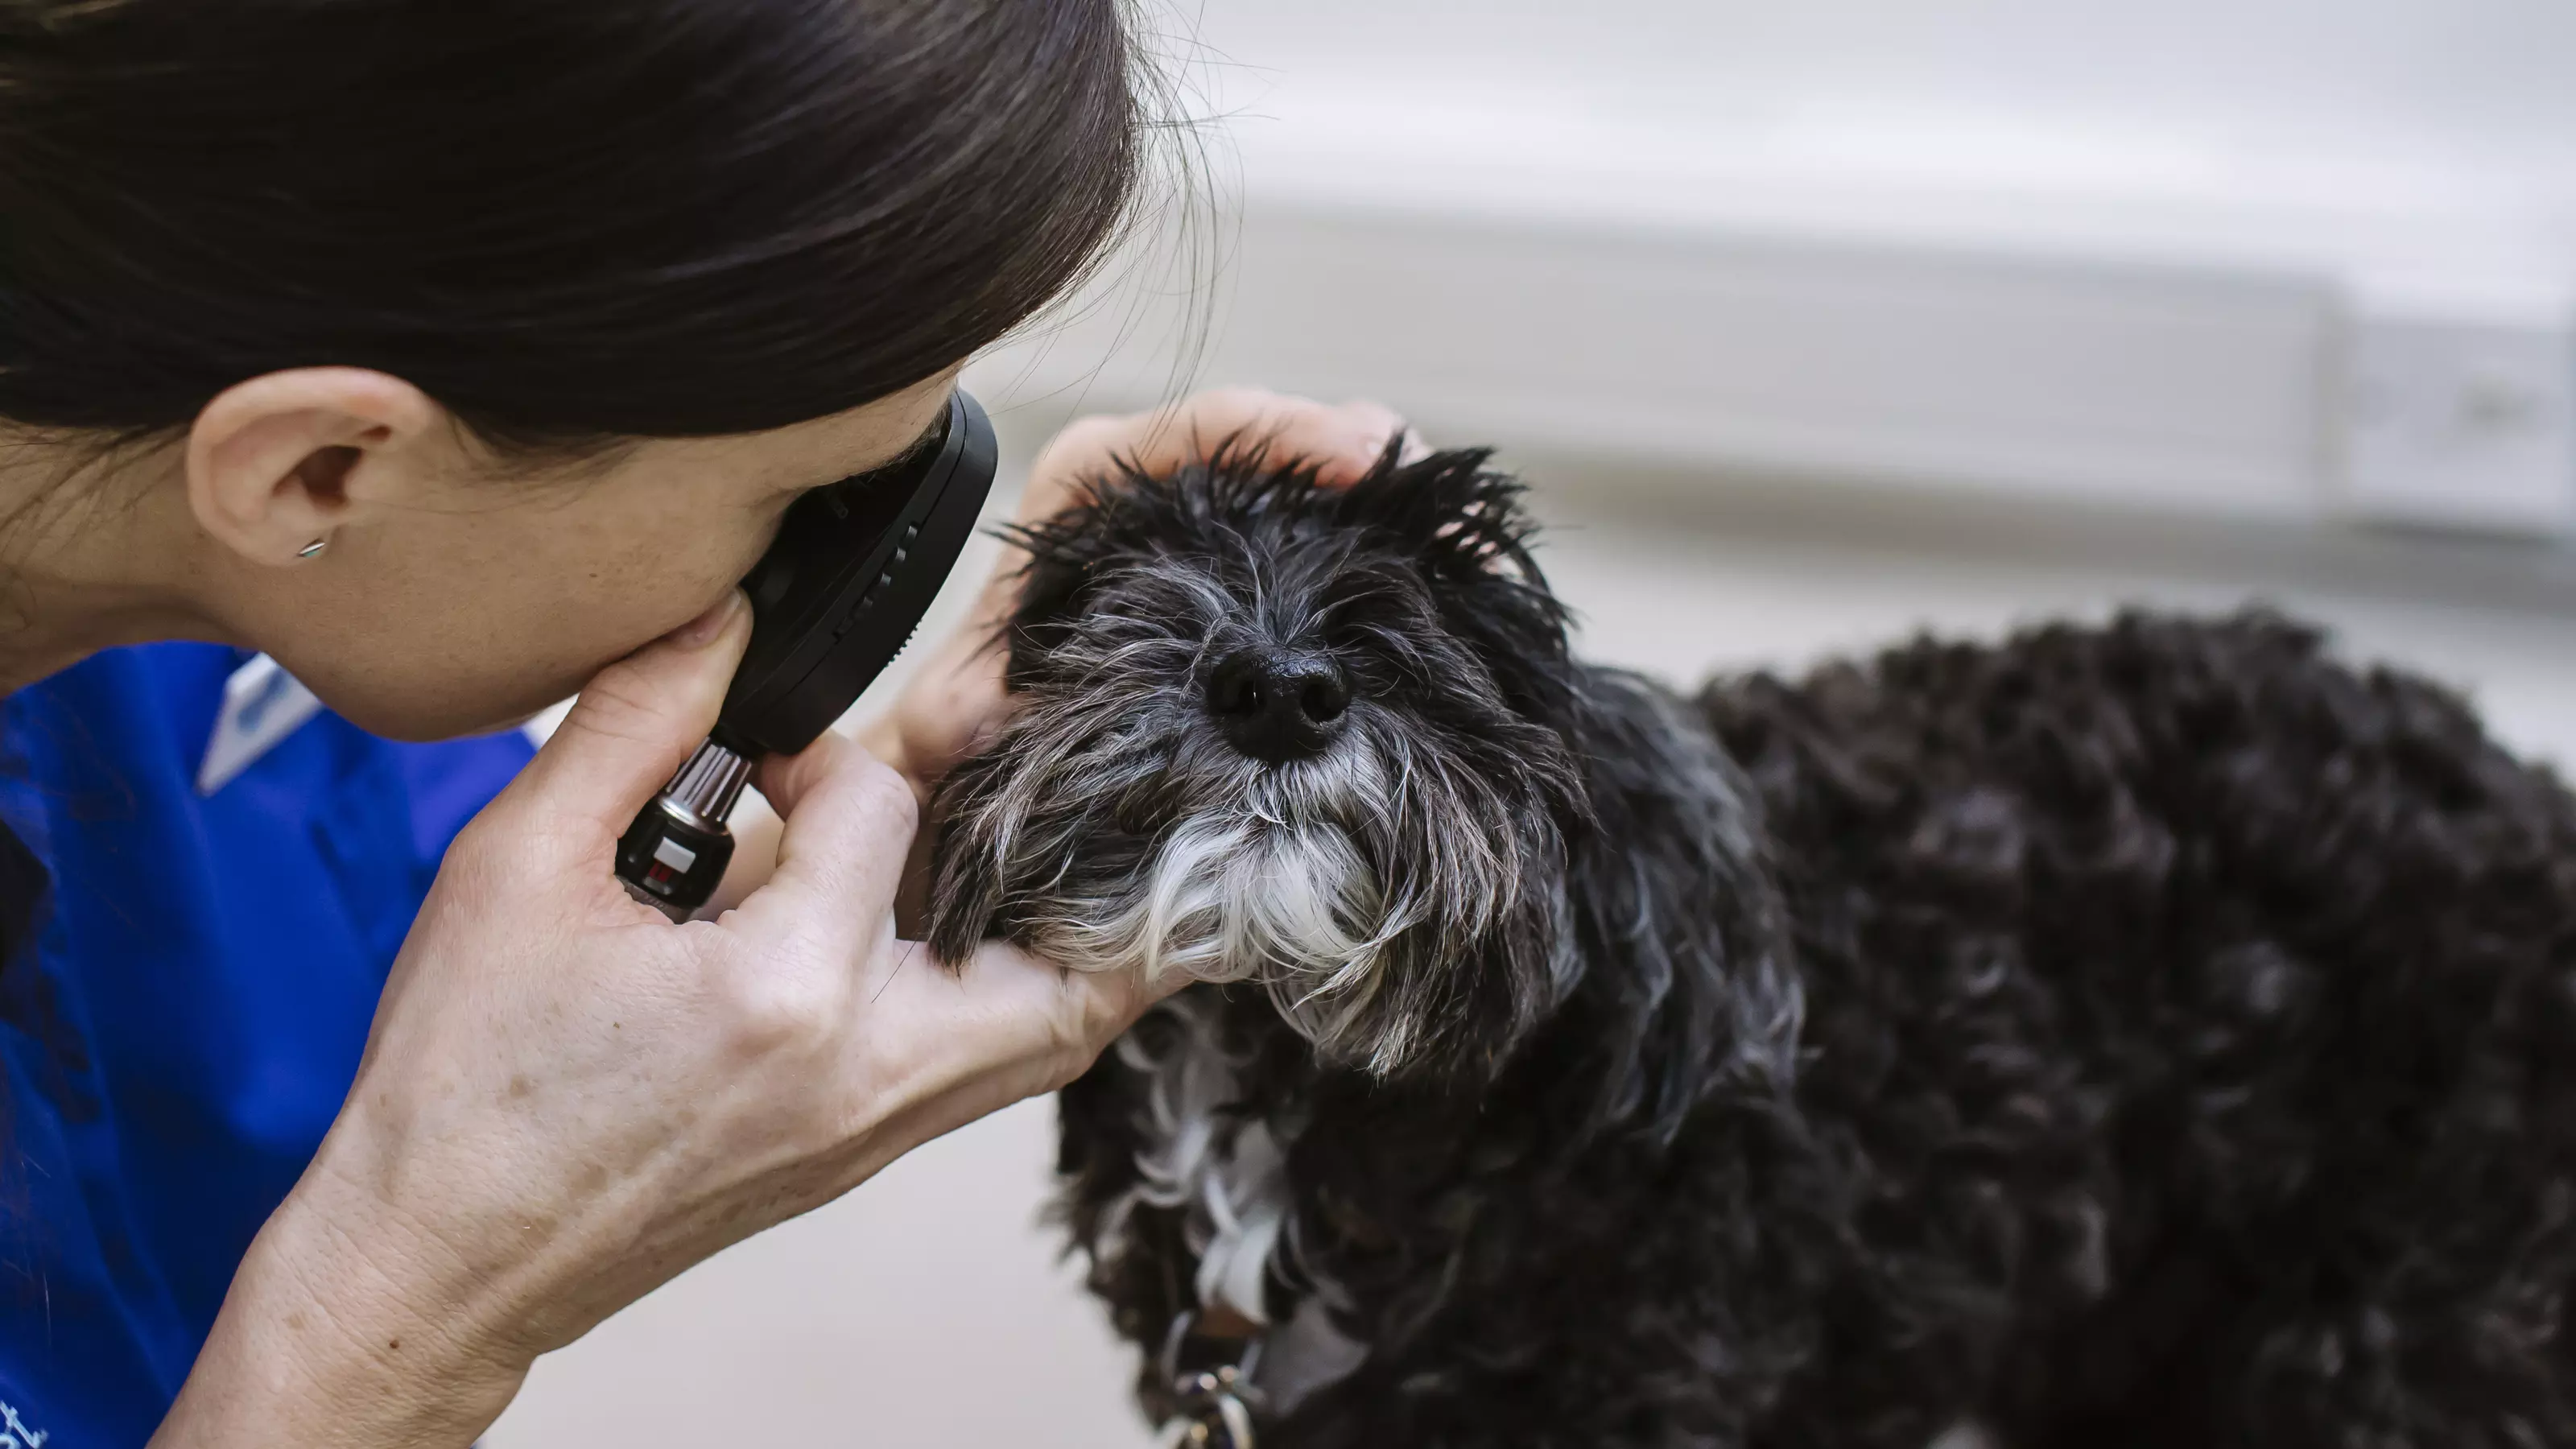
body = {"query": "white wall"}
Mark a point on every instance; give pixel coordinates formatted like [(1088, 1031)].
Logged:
[(2170, 257), (2369, 80)]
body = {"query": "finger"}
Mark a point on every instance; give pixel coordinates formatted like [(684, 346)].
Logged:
[(952, 708), (1358, 437), (784, 780), (1005, 1026), (636, 723), (1343, 442), (755, 828), (849, 823)]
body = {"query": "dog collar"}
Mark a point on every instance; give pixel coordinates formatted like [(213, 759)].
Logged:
[(1216, 1403)]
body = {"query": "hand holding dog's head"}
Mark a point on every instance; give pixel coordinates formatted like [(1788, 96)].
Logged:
[(1311, 738)]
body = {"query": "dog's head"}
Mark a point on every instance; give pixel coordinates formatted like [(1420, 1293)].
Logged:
[(1307, 737)]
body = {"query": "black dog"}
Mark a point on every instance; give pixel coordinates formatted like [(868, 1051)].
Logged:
[(2152, 1034)]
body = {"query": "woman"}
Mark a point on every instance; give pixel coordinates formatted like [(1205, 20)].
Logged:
[(458, 356)]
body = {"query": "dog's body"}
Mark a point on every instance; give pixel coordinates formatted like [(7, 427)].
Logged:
[(2148, 1034)]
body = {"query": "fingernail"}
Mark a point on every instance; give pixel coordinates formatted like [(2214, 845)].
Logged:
[(1414, 449), (702, 631)]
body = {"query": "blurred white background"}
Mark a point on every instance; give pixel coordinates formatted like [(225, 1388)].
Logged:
[(1814, 324)]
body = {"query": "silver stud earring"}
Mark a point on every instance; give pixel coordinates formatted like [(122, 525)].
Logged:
[(313, 549)]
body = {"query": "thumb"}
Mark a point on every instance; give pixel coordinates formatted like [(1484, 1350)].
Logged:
[(636, 723)]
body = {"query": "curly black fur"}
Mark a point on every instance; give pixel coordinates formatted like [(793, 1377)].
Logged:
[(2154, 1034)]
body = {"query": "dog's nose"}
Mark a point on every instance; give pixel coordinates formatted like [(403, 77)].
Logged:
[(1278, 705)]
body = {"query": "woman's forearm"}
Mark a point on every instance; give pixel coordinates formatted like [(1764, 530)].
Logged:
[(321, 1342)]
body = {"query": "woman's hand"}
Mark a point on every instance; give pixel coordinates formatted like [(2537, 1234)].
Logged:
[(566, 1099), (957, 699)]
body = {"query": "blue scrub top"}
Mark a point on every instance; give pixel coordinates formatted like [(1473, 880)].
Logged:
[(191, 1011)]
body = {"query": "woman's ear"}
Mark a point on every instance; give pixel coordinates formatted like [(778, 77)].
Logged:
[(288, 459)]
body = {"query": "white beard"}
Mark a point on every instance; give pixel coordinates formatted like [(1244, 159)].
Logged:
[(1275, 891)]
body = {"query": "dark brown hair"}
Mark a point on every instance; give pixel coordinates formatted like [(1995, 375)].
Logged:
[(568, 220)]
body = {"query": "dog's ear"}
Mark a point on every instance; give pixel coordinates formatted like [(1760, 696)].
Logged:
[(964, 902), (1065, 552), (1064, 546), (1465, 524), (1450, 510)]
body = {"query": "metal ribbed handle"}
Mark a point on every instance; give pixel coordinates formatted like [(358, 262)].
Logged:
[(709, 784), (675, 854)]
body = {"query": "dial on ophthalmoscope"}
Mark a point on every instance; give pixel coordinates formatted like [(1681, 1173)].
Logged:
[(835, 598)]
